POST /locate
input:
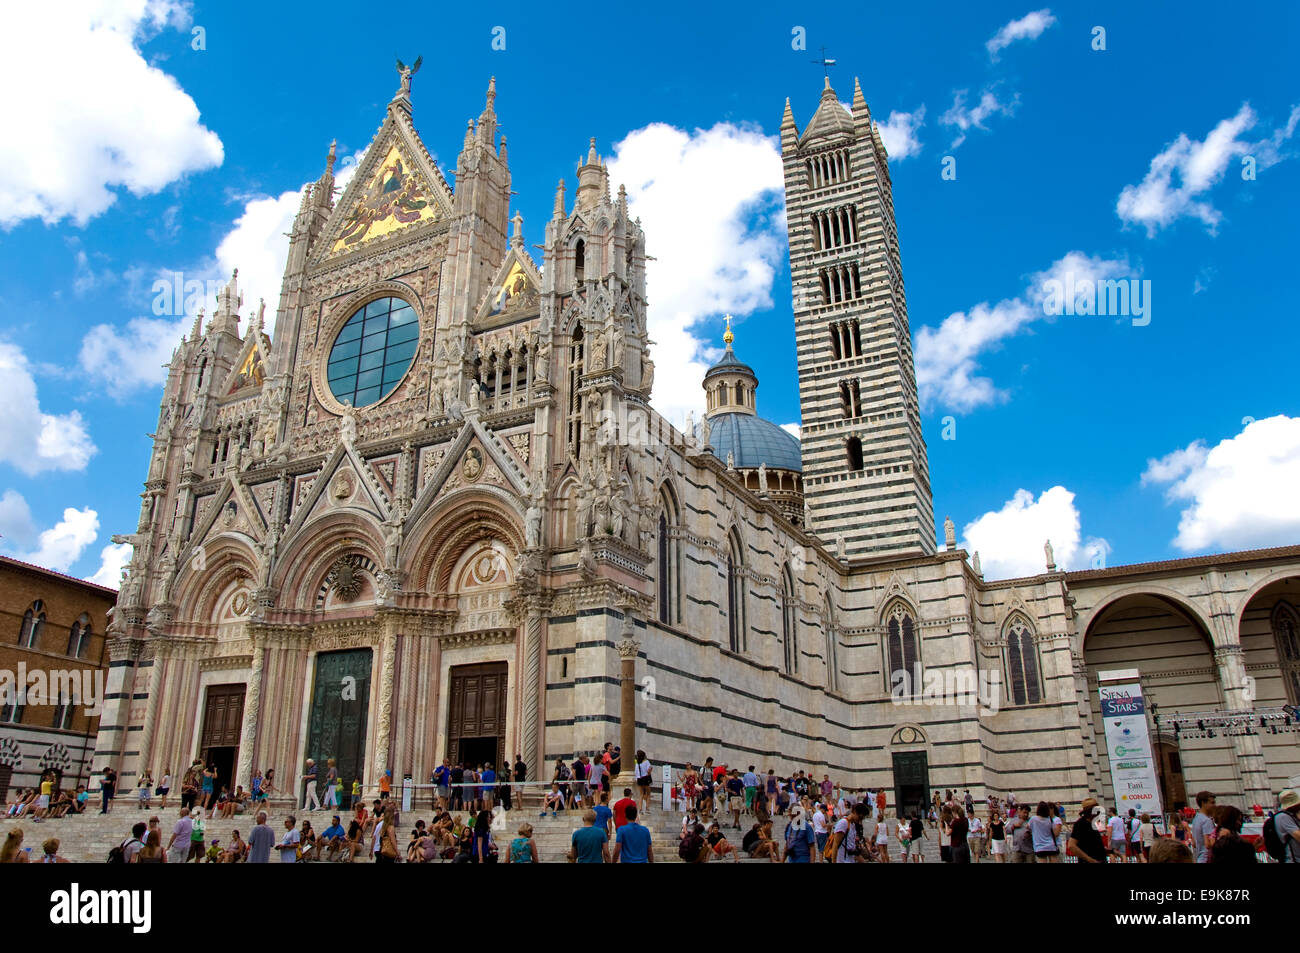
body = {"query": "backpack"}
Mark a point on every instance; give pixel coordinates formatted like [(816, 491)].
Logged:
[(118, 854), (1273, 842)]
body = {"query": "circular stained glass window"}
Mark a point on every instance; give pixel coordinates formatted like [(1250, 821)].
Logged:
[(372, 352)]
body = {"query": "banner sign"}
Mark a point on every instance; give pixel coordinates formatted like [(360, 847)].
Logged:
[(1132, 765)]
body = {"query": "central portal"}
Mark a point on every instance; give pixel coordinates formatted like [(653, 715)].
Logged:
[(337, 725), (476, 719)]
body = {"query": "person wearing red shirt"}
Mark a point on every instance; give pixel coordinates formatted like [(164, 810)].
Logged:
[(621, 806)]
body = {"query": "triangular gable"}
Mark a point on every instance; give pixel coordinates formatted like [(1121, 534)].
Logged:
[(515, 289), (475, 456), (345, 481), (250, 367), (397, 186), (231, 509)]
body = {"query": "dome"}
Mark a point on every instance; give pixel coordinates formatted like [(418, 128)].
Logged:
[(752, 441)]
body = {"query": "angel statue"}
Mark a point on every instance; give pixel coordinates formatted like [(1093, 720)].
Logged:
[(406, 72)]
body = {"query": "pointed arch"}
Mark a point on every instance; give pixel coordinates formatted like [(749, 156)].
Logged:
[(789, 623), (735, 591), (1024, 687), (1286, 633), (29, 631), (903, 671), (668, 556), (79, 636)]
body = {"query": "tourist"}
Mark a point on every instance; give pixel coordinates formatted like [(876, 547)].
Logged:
[(1118, 841), (1286, 824), (441, 780), (772, 786), (457, 789), (152, 851), (969, 804), (209, 787), (522, 849), (800, 839), (821, 832), (179, 845), (256, 784), (554, 800), (386, 784), (975, 838), (997, 837), (50, 852), (482, 837), (735, 788), (145, 786), (12, 852), (590, 843), (331, 783), (310, 800), (945, 834), (133, 844), (488, 781), (1132, 831), (503, 791), (197, 828), (107, 785), (621, 807), (1229, 846), (882, 840), (632, 845), (79, 801), (306, 842), (163, 787), (958, 828), (605, 816), (719, 844), (289, 841), (1203, 826), (597, 779), (352, 844), (1043, 829), (693, 848), (1146, 836), (521, 769), (1170, 850), (1085, 843), (260, 840), (354, 798), (918, 838), (750, 780)]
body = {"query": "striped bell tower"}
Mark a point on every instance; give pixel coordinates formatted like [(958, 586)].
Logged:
[(865, 473)]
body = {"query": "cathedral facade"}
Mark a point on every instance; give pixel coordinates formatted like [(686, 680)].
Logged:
[(433, 516)]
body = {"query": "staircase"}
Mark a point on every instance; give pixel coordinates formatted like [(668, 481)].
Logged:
[(88, 838)]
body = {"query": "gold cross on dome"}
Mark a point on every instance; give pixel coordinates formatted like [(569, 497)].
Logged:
[(727, 336)]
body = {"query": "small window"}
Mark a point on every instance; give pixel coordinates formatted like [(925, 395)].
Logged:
[(853, 447), (79, 637), (29, 631)]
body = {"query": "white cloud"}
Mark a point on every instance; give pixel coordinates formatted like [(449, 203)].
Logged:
[(113, 558), (62, 544), (16, 525), (1010, 540), (793, 430), (899, 133), (31, 440), (710, 203), (85, 114), (1158, 200), (947, 357), (965, 119), (1028, 27), (128, 358), (1238, 494)]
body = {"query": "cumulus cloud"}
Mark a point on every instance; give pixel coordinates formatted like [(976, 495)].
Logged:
[(794, 430), (711, 204), (947, 357), (1238, 494), (966, 118), (62, 544), (31, 440), (130, 357), (86, 115), (1181, 175), (1028, 27), (899, 133), (113, 558), (16, 525), (1010, 540)]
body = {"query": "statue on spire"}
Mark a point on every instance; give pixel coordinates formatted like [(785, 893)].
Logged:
[(406, 72)]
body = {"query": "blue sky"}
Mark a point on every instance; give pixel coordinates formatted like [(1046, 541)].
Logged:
[(137, 154)]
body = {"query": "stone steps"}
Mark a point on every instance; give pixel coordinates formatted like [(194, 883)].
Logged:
[(89, 837)]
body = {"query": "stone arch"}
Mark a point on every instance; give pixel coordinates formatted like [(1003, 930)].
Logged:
[(443, 532), (1280, 575), (304, 565), (1176, 600), (209, 570)]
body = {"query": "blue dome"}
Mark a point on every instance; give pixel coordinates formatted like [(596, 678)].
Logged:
[(752, 440)]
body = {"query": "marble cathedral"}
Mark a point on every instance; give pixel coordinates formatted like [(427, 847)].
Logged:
[(436, 511)]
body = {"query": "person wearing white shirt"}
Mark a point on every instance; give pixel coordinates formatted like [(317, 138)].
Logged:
[(819, 830), (975, 838), (1118, 842), (288, 845)]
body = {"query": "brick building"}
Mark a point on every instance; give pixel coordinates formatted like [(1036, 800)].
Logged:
[(52, 642)]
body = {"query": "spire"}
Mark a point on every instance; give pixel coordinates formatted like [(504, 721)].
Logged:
[(861, 112), (197, 331), (469, 133), (591, 152), (517, 238), (329, 159), (559, 200), (226, 317), (502, 152), (622, 200), (489, 109), (487, 120)]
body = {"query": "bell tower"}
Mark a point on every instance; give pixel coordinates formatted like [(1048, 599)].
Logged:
[(865, 473)]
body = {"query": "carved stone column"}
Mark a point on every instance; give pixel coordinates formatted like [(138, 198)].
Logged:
[(533, 635), (252, 709), (145, 759), (1246, 749), (384, 728), (628, 649)]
